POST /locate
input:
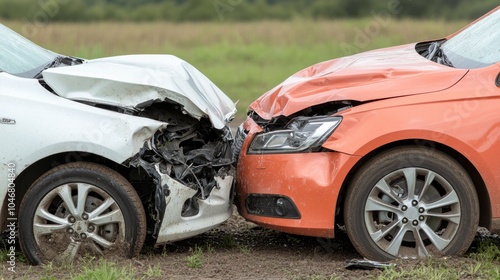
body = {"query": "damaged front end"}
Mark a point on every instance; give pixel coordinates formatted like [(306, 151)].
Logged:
[(299, 132), (188, 160), (190, 163)]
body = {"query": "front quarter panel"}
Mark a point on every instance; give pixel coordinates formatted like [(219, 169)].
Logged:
[(44, 124), (464, 118)]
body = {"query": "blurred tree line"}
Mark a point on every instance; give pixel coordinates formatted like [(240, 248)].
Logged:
[(235, 10)]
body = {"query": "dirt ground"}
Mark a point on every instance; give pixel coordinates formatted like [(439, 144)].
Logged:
[(241, 250)]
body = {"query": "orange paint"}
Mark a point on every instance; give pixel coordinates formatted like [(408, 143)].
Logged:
[(405, 98)]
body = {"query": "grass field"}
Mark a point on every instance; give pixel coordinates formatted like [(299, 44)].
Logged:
[(243, 59)]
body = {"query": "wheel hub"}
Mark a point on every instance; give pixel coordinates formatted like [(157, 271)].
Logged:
[(80, 226), (412, 213)]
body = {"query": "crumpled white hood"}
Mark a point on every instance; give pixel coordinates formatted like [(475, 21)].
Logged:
[(134, 81)]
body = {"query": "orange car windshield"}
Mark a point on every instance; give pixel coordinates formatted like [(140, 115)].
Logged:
[(476, 46)]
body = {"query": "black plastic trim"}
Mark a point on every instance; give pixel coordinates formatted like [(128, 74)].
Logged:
[(265, 205)]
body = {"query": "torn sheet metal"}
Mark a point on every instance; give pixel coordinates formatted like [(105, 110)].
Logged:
[(137, 81), (191, 164), (372, 75), (201, 215)]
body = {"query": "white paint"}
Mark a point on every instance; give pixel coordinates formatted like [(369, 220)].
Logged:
[(128, 81), (214, 210)]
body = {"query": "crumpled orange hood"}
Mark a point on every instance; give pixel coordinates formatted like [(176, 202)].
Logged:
[(378, 74)]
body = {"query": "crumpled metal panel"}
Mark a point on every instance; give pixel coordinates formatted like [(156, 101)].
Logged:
[(212, 211), (112, 135), (379, 74), (137, 81), (185, 160)]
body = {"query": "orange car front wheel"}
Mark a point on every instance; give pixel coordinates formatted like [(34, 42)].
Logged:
[(411, 202)]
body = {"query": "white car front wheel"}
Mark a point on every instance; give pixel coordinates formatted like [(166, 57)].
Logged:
[(78, 209)]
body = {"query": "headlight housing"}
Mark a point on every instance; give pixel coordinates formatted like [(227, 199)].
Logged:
[(300, 134)]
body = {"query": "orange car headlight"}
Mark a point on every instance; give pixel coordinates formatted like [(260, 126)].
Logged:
[(300, 134)]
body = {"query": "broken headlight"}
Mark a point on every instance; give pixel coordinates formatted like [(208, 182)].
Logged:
[(300, 134)]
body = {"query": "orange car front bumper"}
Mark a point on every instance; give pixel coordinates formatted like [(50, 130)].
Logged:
[(309, 182)]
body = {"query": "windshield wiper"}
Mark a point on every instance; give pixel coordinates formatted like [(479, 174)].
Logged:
[(58, 61), (435, 53), (54, 63)]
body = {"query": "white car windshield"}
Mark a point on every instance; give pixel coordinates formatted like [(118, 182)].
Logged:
[(20, 57), (476, 46)]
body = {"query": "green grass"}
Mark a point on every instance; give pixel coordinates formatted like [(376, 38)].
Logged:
[(105, 270), (485, 264), (88, 269), (153, 271), (196, 259), (209, 248), (245, 249)]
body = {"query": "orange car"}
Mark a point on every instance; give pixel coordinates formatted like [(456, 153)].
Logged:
[(401, 145)]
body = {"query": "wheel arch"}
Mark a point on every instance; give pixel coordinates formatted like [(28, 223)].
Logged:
[(80, 203), (485, 211), (30, 174)]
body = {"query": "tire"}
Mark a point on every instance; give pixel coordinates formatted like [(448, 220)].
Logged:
[(105, 216), (384, 220)]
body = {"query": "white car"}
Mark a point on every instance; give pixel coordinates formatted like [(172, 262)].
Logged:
[(97, 154)]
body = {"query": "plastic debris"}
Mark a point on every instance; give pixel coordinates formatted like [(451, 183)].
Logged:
[(367, 264)]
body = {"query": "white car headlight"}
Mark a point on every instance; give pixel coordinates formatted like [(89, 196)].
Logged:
[(300, 134)]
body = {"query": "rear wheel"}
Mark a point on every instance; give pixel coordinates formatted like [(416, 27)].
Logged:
[(77, 209), (411, 202)]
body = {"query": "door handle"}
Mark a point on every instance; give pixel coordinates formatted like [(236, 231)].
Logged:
[(498, 80)]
